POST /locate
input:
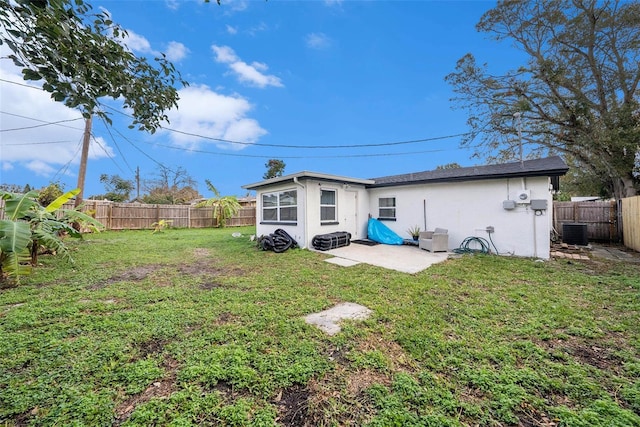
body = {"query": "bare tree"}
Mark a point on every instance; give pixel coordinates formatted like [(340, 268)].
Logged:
[(576, 95)]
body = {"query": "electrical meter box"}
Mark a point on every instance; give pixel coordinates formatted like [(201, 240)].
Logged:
[(508, 204), (539, 204)]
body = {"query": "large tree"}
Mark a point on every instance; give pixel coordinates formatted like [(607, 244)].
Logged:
[(275, 168), (577, 94), (118, 188), (81, 56), (170, 187)]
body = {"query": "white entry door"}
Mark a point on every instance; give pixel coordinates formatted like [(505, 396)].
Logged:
[(349, 213)]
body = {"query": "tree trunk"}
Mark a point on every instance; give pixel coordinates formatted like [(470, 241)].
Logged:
[(623, 186)]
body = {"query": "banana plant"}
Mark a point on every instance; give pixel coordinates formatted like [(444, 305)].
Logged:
[(224, 207), (27, 227)]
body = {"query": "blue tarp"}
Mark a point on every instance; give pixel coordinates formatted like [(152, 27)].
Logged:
[(378, 232)]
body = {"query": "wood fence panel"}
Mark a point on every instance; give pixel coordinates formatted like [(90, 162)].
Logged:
[(630, 207), (138, 216), (601, 218), (125, 216), (178, 214), (245, 216), (202, 218)]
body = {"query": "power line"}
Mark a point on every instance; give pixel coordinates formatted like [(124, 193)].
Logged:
[(37, 143), (38, 126), (124, 159), (257, 144), (63, 169), (191, 150), (383, 144), (43, 121), (143, 152), (21, 84), (107, 153)]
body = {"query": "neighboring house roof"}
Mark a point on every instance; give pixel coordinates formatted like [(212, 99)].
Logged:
[(307, 175), (550, 166)]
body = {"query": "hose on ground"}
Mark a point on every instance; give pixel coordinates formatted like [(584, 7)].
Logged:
[(278, 241), (467, 246)]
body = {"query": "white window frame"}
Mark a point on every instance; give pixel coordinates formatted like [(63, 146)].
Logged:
[(334, 206), (278, 207), (392, 208)]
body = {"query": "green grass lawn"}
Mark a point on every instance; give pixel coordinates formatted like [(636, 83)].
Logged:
[(195, 327)]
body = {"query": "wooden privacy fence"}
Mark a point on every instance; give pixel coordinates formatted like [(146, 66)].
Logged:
[(630, 207), (136, 216), (601, 219)]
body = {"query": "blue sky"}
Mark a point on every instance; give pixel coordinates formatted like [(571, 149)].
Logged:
[(267, 74)]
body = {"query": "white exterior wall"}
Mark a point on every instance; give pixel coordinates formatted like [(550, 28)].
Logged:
[(296, 231), (467, 208), (351, 201)]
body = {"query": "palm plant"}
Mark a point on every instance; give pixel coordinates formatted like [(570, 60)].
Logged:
[(224, 207), (28, 226)]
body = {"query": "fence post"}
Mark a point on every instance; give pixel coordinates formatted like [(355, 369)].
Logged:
[(109, 216)]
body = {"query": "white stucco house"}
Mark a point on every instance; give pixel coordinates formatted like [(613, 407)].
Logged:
[(513, 198)]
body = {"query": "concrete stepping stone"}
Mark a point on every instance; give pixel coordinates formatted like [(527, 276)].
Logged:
[(328, 320)]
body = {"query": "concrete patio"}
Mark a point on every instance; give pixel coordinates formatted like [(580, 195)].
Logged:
[(405, 258)]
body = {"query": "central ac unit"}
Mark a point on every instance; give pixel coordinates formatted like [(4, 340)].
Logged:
[(524, 196)]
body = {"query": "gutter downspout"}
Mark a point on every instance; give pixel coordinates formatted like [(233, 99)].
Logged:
[(306, 226)]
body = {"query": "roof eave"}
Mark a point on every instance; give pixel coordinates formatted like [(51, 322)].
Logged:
[(518, 174), (307, 175)]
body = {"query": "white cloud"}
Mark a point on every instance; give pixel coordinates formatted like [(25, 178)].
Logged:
[(234, 5), (176, 51), (172, 4), (40, 168), (231, 30), (318, 41), (252, 74), (204, 112), (224, 54), (40, 149), (257, 29), (137, 43)]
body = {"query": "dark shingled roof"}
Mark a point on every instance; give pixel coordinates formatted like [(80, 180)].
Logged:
[(550, 166)]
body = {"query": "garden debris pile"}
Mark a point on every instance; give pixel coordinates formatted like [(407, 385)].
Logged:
[(278, 241)]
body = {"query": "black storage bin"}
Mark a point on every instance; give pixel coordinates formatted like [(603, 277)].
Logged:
[(324, 242), (575, 234)]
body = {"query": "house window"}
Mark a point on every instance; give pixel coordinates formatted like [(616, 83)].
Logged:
[(328, 211), (387, 208), (280, 207)]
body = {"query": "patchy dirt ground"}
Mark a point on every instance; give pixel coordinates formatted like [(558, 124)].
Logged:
[(162, 388), (203, 267)]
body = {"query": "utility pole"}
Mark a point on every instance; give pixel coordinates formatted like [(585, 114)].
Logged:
[(137, 183), (83, 160)]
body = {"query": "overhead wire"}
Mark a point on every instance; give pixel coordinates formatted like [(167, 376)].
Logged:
[(46, 123), (107, 153), (324, 146), (40, 125), (20, 84), (37, 143), (63, 169), (124, 159), (193, 150)]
